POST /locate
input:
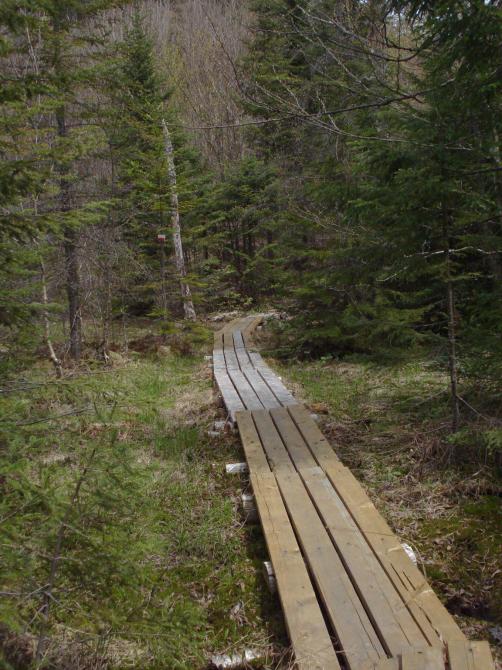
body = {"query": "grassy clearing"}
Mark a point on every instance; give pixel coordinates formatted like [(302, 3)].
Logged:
[(156, 569), (390, 424)]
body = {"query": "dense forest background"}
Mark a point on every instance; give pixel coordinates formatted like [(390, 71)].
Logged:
[(339, 159), (335, 162)]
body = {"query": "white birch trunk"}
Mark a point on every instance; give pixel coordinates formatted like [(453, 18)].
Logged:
[(186, 295)]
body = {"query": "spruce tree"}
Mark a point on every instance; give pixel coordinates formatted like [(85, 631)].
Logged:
[(143, 191)]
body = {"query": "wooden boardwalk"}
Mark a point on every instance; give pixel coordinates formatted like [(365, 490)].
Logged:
[(351, 596)]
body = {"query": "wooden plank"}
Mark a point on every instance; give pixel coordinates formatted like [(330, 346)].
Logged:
[(231, 398), (238, 341), (423, 659), (466, 655), (255, 456), (267, 398), (388, 664), (357, 637), (231, 359), (315, 440), (426, 608), (282, 394), (358, 640), (482, 656), (244, 389), (385, 608), (304, 620), (257, 360), (459, 655), (243, 358), (219, 360)]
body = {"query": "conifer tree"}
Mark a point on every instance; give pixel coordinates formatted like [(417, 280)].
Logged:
[(137, 142)]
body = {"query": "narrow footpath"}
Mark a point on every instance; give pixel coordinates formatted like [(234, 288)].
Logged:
[(351, 596)]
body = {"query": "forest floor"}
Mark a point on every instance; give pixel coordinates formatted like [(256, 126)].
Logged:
[(156, 567)]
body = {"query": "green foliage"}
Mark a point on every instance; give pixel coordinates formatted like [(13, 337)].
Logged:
[(234, 223), (141, 190), (151, 547)]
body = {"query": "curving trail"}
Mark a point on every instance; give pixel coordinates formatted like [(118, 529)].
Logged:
[(351, 596)]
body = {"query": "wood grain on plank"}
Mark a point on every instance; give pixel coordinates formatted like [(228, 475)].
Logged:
[(307, 629), (467, 655), (395, 626), (245, 390), (430, 614), (358, 640)]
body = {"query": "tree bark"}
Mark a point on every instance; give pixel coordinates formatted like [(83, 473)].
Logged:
[(70, 252), (186, 295), (452, 348), (52, 354)]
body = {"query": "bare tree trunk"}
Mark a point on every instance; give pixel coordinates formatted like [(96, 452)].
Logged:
[(52, 354), (71, 260), (176, 228), (452, 348), (124, 328), (163, 281)]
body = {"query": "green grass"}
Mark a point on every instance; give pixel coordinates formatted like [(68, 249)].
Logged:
[(154, 556)]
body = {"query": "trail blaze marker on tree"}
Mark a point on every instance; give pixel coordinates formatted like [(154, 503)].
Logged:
[(161, 238)]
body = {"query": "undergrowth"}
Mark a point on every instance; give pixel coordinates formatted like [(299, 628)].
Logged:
[(121, 540)]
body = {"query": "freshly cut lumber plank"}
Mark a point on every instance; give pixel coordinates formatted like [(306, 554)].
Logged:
[(459, 655), (395, 626), (387, 664), (304, 620), (482, 656), (358, 640), (427, 610), (357, 637), (255, 456), (311, 432), (273, 445), (244, 389)]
